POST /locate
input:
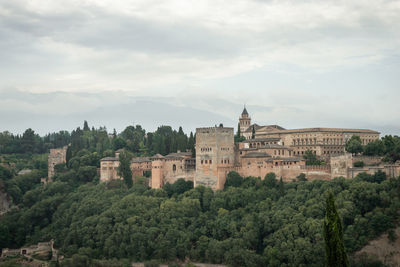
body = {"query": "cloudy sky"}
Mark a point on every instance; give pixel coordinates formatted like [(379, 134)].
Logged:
[(195, 63)]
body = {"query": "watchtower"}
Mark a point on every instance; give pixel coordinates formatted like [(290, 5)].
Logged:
[(214, 156)]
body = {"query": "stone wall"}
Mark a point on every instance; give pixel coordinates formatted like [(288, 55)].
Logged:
[(340, 165), (368, 160), (391, 170), (56, 156), (109, 169)]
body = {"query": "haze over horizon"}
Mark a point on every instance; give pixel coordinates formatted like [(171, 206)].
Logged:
[(196, 63)]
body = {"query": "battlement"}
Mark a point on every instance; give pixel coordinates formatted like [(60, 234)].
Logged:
[(208, 130)]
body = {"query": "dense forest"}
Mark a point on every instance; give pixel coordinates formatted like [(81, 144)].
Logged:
[(252, 222), (164, 140)]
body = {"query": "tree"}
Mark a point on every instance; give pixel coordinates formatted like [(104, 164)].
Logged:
[(238, 138), (270, 180), (124, 169), (333, 235), (302, 177), (253, 133), (354, 145), (233, 179), (375, 148), (281, 187), (86, 126), (191, 144), (311, 158), (28, 141)]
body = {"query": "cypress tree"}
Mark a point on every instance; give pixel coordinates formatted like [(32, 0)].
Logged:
[(124, 168), (238, 131), (333, 235), (253, 133)]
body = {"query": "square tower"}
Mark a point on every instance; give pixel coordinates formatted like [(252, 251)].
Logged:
[(215, 156), (244, 121)]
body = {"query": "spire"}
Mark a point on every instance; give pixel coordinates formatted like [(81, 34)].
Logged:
[(244, 112)]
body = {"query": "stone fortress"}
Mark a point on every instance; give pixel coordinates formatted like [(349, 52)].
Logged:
[(266, 149)]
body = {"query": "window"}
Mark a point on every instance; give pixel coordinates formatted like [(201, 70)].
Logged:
[(210, 161), (174, 167)]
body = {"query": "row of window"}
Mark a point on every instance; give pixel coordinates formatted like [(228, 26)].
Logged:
[(206, 149), (224, 161), (207, 161), (262, 144), (277, 163), (280, 152), (110, 168), (224, 148)]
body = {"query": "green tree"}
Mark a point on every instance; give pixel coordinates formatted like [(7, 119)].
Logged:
[(333, 235), (270, 180), (124, 169), (28, 141), (311, 158), (233, 179), (375, 148), (238, 138), (86, 126), (302, 177), (253, 133), (191, 144), (354, 145)]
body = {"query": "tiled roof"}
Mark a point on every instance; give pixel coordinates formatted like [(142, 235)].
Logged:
[(157, 156), (266, 139), (340, 130), (109, 159), (139, 160), (257, 155)]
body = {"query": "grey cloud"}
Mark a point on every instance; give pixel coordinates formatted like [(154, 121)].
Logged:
[(99, 29)]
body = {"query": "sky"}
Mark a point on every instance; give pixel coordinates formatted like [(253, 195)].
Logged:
[(187, 63)]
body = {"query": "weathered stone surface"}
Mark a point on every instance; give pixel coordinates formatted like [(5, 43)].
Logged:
[(56, 156)]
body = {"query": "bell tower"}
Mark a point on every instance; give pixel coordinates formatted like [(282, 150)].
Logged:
[(244, 121)]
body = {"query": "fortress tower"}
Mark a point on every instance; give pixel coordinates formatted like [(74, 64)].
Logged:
[(244, 121), (56, 156), (157, 171), (215, 156)]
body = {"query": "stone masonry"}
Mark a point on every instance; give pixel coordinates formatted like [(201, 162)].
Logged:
[(56, 156)]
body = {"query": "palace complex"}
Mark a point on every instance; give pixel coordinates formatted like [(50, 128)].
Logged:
[(265, 149)]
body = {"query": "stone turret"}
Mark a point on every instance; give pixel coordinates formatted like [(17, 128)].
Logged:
[(157, 171)]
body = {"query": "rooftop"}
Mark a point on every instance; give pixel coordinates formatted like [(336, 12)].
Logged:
[(257, 155), (266, 139), (109, 159), (338, 130)]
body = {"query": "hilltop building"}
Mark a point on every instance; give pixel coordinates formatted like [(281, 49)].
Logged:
[(322, 141), (272, 149)]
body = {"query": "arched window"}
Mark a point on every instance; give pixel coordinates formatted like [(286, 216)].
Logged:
[(174, 167)]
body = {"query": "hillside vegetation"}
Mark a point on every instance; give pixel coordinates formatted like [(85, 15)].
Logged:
[(251, 223)]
